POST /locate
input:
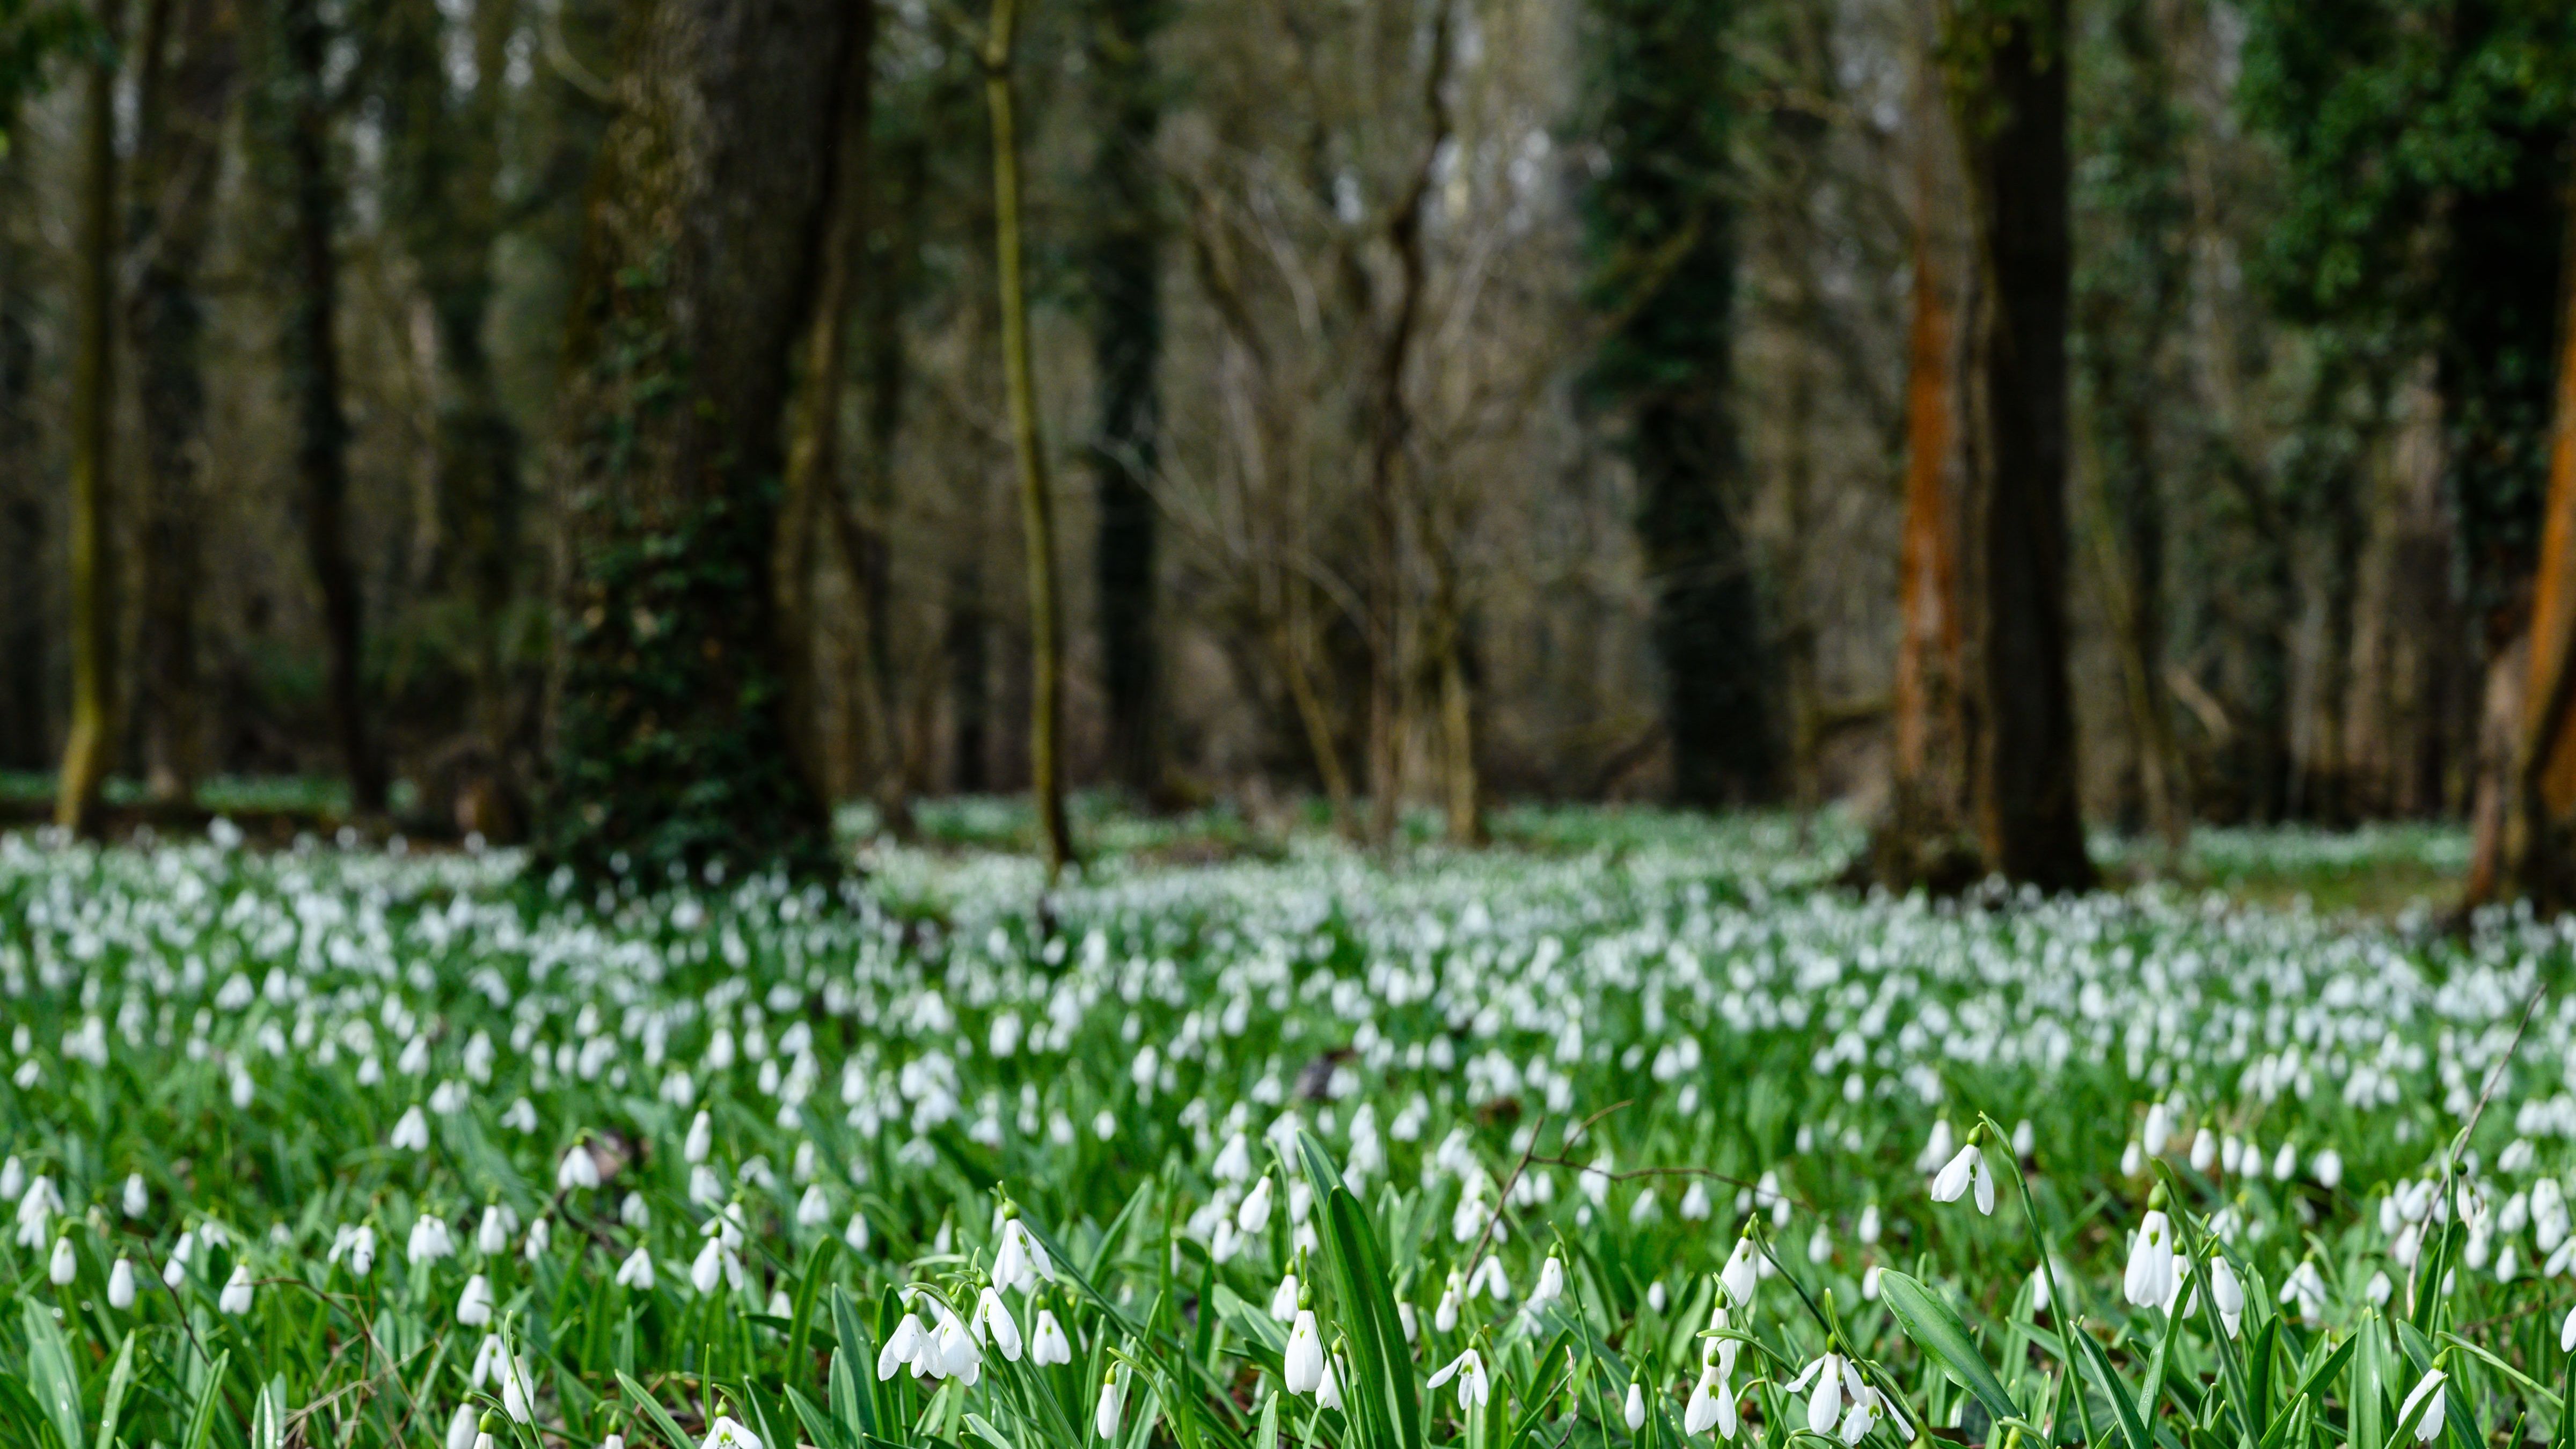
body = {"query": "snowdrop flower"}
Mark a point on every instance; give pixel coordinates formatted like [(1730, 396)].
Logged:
[(1634, 1410), (1469, 1370), (2327, 1168), (521, 1116), (715, 1264), (1305, 1355), (2204, 1150), (1021, 1263), (579, 1169), (120, 1285), (65, 1266), (636, 1271), (464, 1428), (729, 1435), (1551, 1284), (1444, 1317), (1739, 1276), (1825, 1398), (1253, 1217), (1328, 1389), (856, 1234), (411, 1134), (701, 1139), (2378, 1289), (538, 1235), (812, 1208), (2567, 1333), (2308, 1289), (993, 1324), (37, 1208), (1283, 1302), (900, 1346), (474, 1306), (235, 1298), (175, 1271), (1047, 1342), (635, 1212), (1965, 1170), (1113, 1401), (1488, 1281), (2226, 1294), (429, 1241), (2428, 1392), (138, 1199), (1711, 1406), (959, 1358), (1937, 1150), (2150, 1280)]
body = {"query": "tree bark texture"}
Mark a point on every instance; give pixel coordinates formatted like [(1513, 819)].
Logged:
[(94, 730), (705, 219), (2013, 124)]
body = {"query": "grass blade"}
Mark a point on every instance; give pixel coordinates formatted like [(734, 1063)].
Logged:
[(1937, 1331)]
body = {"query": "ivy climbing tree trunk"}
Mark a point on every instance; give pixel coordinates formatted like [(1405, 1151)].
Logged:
[(187, 61), (2008, 87), (313, 378), (1664, 233), (1127, 346), (1037, 503), (93, 576), (705, 220)]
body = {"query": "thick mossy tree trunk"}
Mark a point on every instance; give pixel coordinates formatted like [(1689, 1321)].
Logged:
[(1663, 228), (705, 221), (1127, 346), (188, 59), (2008, 67), (93, 577), (2540, 844)]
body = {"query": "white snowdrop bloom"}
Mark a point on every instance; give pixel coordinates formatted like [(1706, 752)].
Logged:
[(2133, 1160), (174, 1271), (726, 1434), (635, 1212), (464, 1427), (1966, 1169), (2508, 1264), (637, 1270), (1634, 1410), (1048, 1344), (578, 1169), (64, 1265), (1550, 1286), (2204, 1150), (900, 1346), (1695, 1206), (1868, 1230), (138, 1199), (813, 1209), (429, 1240), (1283, 1299), (1328, 1389), (518, 1391), (474, 1306), (120, 1285), (613, 1441), (1233, 1164), (235, 1298), (993, 1324), (411, 1133), (856, 1234), (705, 1188), (1488, 1280), (1104, 1125), (2150, 1280), (1822, 1382), (1711, 1406), (2159, 1128), (520, 1116), (492, 1233), (2327, 1168), (1444, 1316), (487, 1361), (13, 1177), (1739, 1276), (1020, 1262), (2285, 1163), (1253, 1217), (701, 1139), (1113, 1403), (715, 1264), (2428, 1392), (2567, 1332), (1305, 1355), (2025, 1137), (1938, 1149), (38, 1206), (1820, 1245), (1869, 1282), (539, 1234), (2307, 1288), (2378, 1289), (2226, 1293), (1469, 1370)]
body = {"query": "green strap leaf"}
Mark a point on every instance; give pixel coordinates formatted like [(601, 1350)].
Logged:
[(201, 1424), (1937, 1331), (654, 1414), (2132, 1427), (51, 1375)]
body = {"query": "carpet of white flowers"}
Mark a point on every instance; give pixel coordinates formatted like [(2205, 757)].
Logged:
[(1637, 1134)]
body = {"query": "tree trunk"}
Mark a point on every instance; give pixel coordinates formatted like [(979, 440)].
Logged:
[(94, 729), (705, 220), (313, 377), (1037, 500), (26, 640), (2541, 844), (178, 151), (814, 492), (970, 685), (2014, 123), (1127, 344)]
